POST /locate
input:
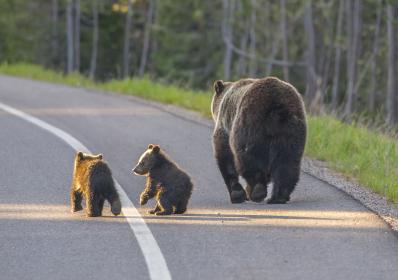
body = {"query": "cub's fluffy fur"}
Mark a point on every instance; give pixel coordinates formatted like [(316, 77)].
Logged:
[(92, 179), (170, 185)]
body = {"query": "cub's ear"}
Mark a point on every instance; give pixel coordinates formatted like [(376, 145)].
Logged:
[(99, 156), (80, 155), (150, 146), (219, 86), (155, 149)]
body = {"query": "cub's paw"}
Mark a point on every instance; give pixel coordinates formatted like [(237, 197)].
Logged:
[(116, 207), (93, 215), (153, 211), (76, 208), (162, 213)]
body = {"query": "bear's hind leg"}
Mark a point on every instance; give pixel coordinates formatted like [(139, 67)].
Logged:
[(166, 208), (75, 200), (256, 185), (285, 178), (225, 161)]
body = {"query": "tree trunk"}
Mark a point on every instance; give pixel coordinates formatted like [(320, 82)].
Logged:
[(54, 33), (242, 60), (227, 33), (373, 83), (336, 75), (147, 33), (126, 45), (69, 37), (391, 102), (353, 34), (253, 39), (94, 51), (311, 59), (283, 31), (77, 35)]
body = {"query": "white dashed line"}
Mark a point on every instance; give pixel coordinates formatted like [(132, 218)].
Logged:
[(154, 258)]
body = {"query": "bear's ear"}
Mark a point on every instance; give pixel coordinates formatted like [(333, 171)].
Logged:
[(219, 86), (155, 149), (100, 156), (150, 146), (80, 155)]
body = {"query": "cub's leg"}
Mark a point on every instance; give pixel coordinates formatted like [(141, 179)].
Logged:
[(101, 205), (75, 200), (92, 205), (114, 201), (166, 208), (225, 161), (181, 207)]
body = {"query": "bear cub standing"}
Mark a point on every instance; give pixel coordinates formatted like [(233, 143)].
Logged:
[(171, 186), (93, 179)]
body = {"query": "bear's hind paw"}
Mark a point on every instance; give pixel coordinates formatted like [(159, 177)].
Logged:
[(238, 196)]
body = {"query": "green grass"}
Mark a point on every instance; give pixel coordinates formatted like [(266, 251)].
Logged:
[(369, 157)]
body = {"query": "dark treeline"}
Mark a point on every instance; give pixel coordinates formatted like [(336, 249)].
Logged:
[(341, 54)]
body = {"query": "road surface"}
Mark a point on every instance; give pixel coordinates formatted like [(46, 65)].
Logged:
[(321, 234)]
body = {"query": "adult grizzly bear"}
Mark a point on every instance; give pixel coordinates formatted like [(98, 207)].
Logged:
[(260, 134), (93, 179), (170, 185)]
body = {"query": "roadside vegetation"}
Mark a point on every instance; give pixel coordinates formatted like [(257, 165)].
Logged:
[(367, 156)]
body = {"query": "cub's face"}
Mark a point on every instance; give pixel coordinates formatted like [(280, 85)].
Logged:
[(147, 160), (220, 88), (83, 158)]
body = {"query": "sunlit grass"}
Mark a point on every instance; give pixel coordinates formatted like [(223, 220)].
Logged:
[(169, 94), (369, 157)]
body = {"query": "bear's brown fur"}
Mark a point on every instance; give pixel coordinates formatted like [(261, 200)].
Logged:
[(92, 179), (260, 134), (171, 186)]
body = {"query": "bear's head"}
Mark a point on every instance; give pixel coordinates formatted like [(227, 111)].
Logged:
[(220, 87), (83, 158), (148, 160)]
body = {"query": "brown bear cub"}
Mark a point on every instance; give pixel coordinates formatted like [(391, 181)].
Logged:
[(260, 134), (171, 186), (92, 179)]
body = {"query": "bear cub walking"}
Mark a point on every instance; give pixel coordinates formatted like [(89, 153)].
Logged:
[(92, 179), (171, 186)]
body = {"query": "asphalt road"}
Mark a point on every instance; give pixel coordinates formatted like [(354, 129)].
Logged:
[(321, 234)]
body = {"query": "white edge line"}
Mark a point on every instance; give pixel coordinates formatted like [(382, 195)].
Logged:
[(154, 259)]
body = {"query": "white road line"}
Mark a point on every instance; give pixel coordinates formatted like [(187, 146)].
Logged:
[(154, 259)]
